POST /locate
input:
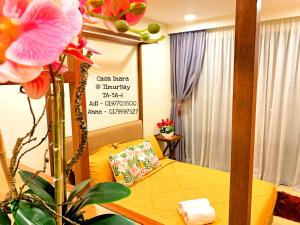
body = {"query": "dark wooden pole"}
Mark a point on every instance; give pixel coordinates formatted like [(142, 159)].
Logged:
[(140, 81), (244, 107)]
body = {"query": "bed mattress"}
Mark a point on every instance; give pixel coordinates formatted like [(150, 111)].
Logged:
[(157, 195)]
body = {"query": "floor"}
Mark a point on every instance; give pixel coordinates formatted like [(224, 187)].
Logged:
[(279, 220)]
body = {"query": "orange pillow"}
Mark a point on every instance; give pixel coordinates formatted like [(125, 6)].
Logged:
[(100, 170)]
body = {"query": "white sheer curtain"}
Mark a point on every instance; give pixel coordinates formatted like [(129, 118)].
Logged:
[(208, 112), (277, 144)]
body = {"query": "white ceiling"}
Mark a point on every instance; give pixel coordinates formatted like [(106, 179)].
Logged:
[(173, 11)]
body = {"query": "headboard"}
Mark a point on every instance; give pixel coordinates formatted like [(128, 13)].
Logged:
[(119, 133)]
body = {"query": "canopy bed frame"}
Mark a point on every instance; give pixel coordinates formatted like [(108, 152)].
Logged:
[(73, 77), (244, 105)]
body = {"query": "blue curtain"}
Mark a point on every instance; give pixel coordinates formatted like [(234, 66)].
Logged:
[(187, 52)]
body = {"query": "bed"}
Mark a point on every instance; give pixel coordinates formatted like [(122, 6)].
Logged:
[(154, 198)]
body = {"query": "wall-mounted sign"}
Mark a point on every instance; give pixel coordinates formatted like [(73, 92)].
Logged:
[(114, 97), (112, 91)]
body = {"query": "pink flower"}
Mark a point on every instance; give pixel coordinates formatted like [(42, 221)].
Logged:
[(147, 145), (56, 65), (38, 87), (134, 19), (134, 170), (122, 168), (75, 50), (114, 8), (115, 164), (130, 153), (86, 18), (152, 158), (33, 34)]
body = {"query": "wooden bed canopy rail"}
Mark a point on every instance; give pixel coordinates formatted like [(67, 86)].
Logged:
[(244, 104)]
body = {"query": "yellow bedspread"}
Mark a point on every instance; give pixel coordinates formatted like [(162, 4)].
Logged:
[(157, 195)]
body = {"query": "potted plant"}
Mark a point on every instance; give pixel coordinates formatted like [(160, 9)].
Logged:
[(166, 128), (36, 37)]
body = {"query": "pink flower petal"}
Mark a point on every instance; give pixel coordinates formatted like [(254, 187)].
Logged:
[(15, 8), (92, 50), (134, 19), (80, 45), (10, 71), (97, 10), (3, 77), (2, 2), (38, 87), (114, 7), (46, 31), (110, 25), (74, 17), (82, 2), (88, 19), (78, 55), (70, 5), (56, 65)]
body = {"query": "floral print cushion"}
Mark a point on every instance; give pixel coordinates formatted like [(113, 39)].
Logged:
[(125, 167), (146, 157)]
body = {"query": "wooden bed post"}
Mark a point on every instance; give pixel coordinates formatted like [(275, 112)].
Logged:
[(140, 80), (244, 108)]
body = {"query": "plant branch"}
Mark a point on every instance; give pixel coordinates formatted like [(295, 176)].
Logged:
[(31, 133), (37, 172), (32, 148), (80, 117), (14, 164)]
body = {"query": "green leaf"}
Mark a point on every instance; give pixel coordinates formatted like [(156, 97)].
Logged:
[(39, 186), (101, 193), (77, 189), (4, 219), (109, 191), (38, 204), (25, 175), (26, 214), (169, 129), (108, 219)]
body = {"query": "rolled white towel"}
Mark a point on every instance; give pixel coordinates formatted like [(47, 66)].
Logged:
[(200, 216), (183, 206), (197, 212)]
